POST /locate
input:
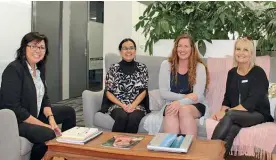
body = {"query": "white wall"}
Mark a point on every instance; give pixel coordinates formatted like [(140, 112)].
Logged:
[(119, 20), (95, 44), (117, 24), (218, 48), (140, 40), (15, 23)]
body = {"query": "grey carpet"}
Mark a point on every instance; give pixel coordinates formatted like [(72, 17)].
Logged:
[(75, 103)]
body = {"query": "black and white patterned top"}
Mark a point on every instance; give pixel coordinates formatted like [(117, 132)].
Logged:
[(125, 84)]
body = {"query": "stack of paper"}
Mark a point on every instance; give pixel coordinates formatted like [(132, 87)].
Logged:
[(170, 142), (78, 135)]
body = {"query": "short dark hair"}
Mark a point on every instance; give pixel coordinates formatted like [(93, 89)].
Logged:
[(32, 36), (125, 40)]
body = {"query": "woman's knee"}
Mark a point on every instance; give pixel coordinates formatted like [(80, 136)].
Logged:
[(232, 114), (45, 134), (135, 117), (168, 114), (188, 111), (120, 116), (69, 111)]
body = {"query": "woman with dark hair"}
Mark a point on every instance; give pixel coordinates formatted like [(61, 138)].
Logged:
[(23, 90), (126, 90)]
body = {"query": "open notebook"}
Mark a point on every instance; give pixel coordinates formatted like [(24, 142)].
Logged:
[(170, 142)]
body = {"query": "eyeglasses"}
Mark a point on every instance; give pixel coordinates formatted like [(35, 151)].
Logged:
[(128, 48), (34, 48)]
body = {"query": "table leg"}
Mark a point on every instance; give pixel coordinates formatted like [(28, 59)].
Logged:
[(49, 155)]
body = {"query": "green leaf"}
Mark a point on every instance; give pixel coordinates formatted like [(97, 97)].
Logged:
[(137, 26), (142, 24), (146, 46), (152, 13), (271, 27), (165, 26), (189, 10), (222, 18), (158, 29), (202, 47), (209, 40), (150, 47), (148, 9)]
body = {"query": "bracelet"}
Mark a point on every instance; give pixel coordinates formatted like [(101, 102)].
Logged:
[(49, 116)]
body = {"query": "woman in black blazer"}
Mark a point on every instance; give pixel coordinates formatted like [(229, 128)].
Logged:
[(24, 91)]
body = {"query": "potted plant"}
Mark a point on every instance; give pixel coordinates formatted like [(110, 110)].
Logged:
[(206, 21), (267, 42)]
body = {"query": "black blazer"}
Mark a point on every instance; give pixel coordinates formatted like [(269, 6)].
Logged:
[(251, 89), (18, 91)]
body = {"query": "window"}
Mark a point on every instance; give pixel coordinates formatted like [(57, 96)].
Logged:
[(97, 11)]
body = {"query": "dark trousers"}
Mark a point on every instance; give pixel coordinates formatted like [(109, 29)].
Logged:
[(231, 124), (38, 135), (126, 122)]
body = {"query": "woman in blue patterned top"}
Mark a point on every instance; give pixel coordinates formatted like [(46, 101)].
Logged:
[(126, 90)]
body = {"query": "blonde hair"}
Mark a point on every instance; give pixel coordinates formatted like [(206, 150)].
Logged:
[(250, 44), (193, 60)]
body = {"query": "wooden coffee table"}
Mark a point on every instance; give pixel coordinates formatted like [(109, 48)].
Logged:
[(199, 150)]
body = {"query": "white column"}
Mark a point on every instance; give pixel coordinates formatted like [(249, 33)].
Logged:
[(65, 48)]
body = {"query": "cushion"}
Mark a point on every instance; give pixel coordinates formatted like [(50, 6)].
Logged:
[(25, 146), (264, 62), (272, 90), (272, 77), (272, 102), (218, 69), (250, 140), (103, 120), (156, 101)]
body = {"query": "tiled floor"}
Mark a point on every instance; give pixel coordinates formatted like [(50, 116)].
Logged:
[(75, 103)]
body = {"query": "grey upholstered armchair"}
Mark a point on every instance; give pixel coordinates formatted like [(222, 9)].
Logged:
[(12, 146)]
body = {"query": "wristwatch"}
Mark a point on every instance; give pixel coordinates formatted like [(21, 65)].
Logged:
[(227, 110)]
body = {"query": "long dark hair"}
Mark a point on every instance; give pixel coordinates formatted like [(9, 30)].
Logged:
[(32, 36)]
